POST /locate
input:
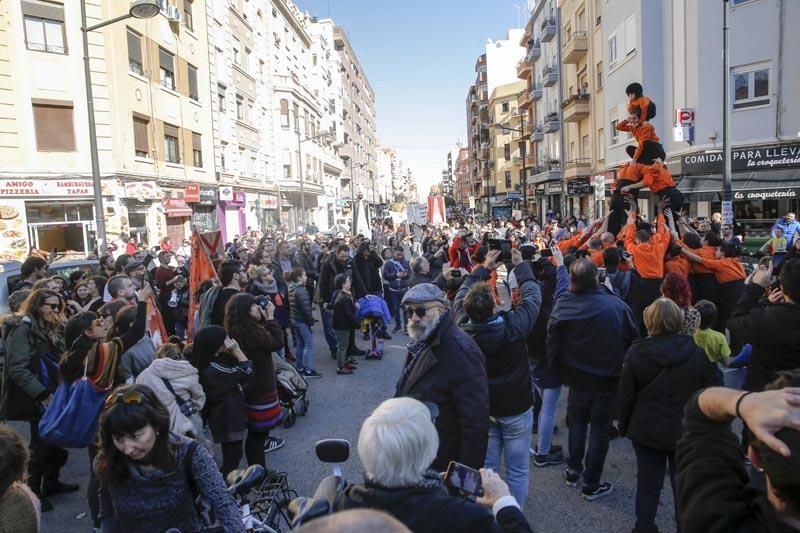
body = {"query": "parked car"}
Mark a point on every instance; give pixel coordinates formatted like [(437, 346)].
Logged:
[(10, 274)]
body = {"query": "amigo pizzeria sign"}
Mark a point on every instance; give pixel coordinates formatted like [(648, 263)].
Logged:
[(753, 158), (62, 187)]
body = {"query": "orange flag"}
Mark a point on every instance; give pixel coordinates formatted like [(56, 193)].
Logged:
[(155, 323), (200, 269)]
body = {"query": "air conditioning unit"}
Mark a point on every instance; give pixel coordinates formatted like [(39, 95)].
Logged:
[(173, 14)]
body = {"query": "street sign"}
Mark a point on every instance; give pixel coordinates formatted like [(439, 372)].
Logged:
[(727, 212)]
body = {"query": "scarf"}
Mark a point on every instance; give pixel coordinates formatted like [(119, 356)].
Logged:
[(431, 479), (266, 288)]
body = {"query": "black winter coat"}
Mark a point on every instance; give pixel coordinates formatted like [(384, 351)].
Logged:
[(537, 352), (502, 339), (367, 275), (773, 332), (451, 372), (300, 303), (344, 312), (430, 510), (328, 271), (660, 374), (223, 381)]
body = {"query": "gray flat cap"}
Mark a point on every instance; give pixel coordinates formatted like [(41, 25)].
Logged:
[(424, 292)]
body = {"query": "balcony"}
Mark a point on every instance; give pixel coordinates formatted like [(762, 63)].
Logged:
[(538, 134), (576, 46), (526, 129), (576, 107), (577, 168), (548, 29), (523, 100), (544, 174), (534, 50), (550, 75), (530, 161), (551, 122), (536, 93), (484, 153), (523, 68)]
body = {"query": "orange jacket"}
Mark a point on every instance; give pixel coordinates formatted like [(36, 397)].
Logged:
[(643, 132), (638, 107), (657, 177), (706, 252), (630, 172), (678, 264), (648, 257), (726, 269)]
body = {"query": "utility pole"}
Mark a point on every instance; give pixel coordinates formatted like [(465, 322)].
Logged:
[(727, 193)]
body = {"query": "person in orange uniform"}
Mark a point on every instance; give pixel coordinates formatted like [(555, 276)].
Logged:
[(639, 105), (703, 281), (730, 276), (628, 174), (648, 260), (659, 180), (648, 144)]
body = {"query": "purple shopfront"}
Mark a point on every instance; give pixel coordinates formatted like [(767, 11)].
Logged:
[(232, 221)]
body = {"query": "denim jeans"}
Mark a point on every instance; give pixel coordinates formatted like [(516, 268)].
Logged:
[(510, 436), (650, 468), (547, 417), (394, 299), (327, 327), (305, 345), (595, 409)]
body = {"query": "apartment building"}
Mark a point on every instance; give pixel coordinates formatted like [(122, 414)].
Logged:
[(679, 64), (152, 115), (463, 188), (507, 149), (358, 118), (390, 173)]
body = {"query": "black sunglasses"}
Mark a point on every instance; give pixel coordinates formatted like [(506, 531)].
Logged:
[(419, 311)]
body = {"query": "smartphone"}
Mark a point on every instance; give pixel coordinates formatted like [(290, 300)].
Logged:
[(455, 273), (546, 252), (601, 274), (464, 478), (504, 245)]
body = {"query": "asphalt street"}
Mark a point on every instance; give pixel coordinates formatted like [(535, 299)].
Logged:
[(338, 406)]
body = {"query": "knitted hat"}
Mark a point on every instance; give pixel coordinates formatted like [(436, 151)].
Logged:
[(424, 292), (207, 342)]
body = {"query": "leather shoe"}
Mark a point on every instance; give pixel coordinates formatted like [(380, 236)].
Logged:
[(58, 487), (356, 351)]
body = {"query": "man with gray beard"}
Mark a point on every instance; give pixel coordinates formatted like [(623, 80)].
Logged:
[(446, 367)]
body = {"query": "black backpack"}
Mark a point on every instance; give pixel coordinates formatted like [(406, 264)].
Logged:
[(651, 110)]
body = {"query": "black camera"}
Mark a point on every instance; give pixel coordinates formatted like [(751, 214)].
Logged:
[(262, 302), (504, 246)]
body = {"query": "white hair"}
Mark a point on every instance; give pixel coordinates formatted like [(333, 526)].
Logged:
[(398, 442)]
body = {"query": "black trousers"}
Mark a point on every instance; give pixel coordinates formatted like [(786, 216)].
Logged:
[(45, 460), (617, 216), (651, 465), (592, 413)]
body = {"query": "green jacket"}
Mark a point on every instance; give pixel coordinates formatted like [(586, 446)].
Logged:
[(24, 385)]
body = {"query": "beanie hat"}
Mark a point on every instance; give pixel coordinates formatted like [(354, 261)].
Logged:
[(207, 342)]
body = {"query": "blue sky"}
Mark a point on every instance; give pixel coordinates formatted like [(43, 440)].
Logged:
[(419, 57)]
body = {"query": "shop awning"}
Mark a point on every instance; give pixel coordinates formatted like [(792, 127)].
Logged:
[(176, 207), (760, 185)]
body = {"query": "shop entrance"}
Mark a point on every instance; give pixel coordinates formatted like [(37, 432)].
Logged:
[(66, 227)]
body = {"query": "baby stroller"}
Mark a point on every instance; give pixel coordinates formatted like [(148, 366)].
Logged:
[(292, 391)]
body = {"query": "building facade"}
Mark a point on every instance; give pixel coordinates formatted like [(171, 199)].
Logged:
[(507, 149)]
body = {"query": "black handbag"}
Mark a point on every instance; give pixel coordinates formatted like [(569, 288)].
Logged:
[(187, 407)]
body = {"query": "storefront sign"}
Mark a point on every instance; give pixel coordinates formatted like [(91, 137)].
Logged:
[(269, 202), (579, 187), (208, 196), (13, 230), (554, 188), (754, 158), (147, 190), (225, 194), (64, 187), (191, 193), (176, 207), (765, 195)]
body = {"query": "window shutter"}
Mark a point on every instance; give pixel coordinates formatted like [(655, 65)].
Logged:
[(196, 144), (54, 129), (284, 107), (134, 47), (140, 135), (193, 81), (170, 130), (45, 10)]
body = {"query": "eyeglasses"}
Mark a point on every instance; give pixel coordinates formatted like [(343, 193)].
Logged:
[(419, 311), (130, 397), (54, 307)]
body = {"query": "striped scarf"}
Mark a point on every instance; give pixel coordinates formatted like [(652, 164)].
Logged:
[(415, 349)]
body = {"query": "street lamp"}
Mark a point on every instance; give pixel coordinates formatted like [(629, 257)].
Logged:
[(300, 171), (140, 9), (524, 153)]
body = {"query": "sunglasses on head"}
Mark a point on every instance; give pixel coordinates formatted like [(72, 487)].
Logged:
[(130, 397), (419, 311)]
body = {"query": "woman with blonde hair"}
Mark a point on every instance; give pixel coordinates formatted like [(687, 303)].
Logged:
[(660, 374)]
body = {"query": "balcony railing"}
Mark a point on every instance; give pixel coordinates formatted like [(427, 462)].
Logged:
[(550, 75), (534, 50), (536, 92), (548, 28), (551, 122), (577, 167), (538, 134), (576, 107), (576, 46), (523, 100), (523, 68)]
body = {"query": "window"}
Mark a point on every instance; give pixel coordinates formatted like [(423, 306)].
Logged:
[(135, 53), (614, 132), (306, 122), (507, 151), (612, 49), (44, 26), (508, 179), (287, 165), (53, 125), (314, 60), (239, 107), (187, 15), (751, 88), (221, 97), (192, 75), (630, 34), (600, 75), (505, 107), (297, 118), (284, 113), (237, 52), (247, 66), (171, 148), (197, 150), (141, 144), (167, 69), (601, 144)]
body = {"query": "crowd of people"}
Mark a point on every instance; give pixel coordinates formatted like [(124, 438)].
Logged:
[(641, 325)]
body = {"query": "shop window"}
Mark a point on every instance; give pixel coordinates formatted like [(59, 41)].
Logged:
[(194, 94), (166, 69), (53, 125), (750, 87), (141, 142), (188, 19), (197, 150), (171, 145), (284, 113), (135, 64), (44, 26)]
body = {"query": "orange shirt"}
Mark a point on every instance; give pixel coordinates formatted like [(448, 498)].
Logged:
[(566, 244), (706, 252), (726, 269), (648, 257), (657, 177), (629, 172), (643, 132), (638, 107), (678, 264), (597, 259)]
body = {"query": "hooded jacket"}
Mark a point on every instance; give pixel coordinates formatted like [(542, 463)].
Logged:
[(137, 358), (431, 509), (503, 340), (300, 303), (185, 380), (660, 374), (773, 333)]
